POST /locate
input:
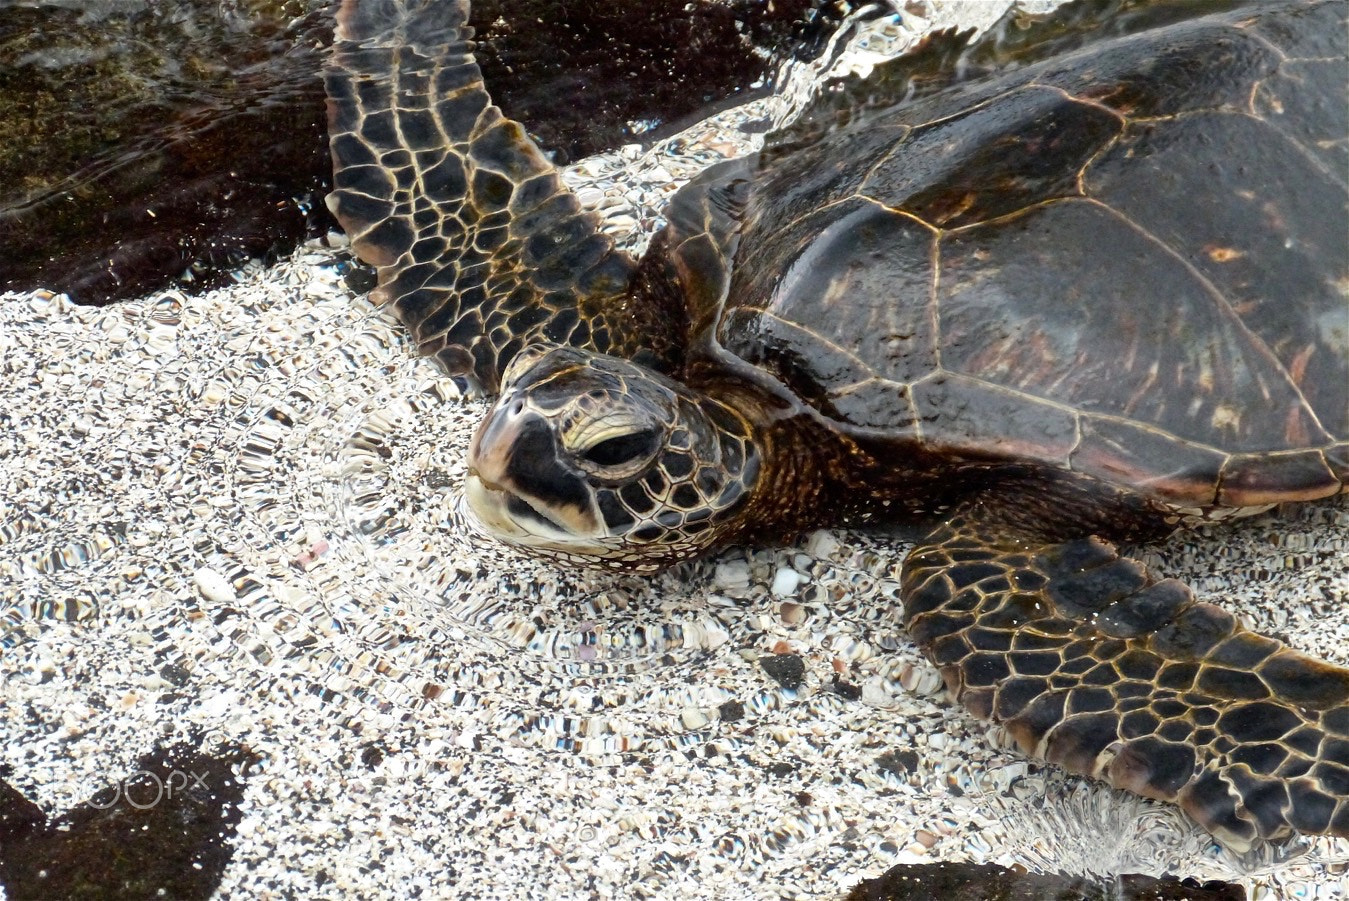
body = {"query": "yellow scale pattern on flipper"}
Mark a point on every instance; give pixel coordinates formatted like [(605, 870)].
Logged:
[(1096, 665), (478, 245)]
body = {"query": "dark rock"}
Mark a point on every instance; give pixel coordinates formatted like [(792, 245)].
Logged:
[(731, 711), (147, 142), (788, 670), (163, 831), (901, 763), (636, 71), (844, 689), (153, 143), (986, 882)]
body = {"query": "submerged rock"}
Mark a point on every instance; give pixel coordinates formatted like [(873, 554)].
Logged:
[(166, 830), (987, 882), (149, 143)]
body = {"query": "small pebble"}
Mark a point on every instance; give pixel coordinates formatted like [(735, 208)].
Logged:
[(785, 582), (822, 544), (922, 680), (692, 718), (732, 575), (213, 586)]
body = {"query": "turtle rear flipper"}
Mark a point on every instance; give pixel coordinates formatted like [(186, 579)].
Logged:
[(479, 246), (1094, 664)]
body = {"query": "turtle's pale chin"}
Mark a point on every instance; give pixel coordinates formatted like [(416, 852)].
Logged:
[(512, 518)]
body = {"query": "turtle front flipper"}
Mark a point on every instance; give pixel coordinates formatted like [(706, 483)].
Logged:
[(478, 245), (1094, 664)]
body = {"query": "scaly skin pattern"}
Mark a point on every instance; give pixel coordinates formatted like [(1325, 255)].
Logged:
[(1096, 665), (536, 480), (1115, 265), (479, 247)]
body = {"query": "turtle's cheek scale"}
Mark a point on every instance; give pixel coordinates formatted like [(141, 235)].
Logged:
[(695, 495)]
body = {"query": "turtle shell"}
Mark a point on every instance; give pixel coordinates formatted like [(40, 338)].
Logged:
[(1116, 242)]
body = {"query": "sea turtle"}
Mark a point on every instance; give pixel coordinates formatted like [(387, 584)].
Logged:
[(1064, 286)]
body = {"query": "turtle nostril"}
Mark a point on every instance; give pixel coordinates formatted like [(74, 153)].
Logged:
[(517, 408)]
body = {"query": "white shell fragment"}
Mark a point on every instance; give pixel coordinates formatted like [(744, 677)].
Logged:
[(785, 582), (213, 586)]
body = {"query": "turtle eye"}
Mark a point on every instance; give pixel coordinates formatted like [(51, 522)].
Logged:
[(623, 449), (614, 452), (614, 442)]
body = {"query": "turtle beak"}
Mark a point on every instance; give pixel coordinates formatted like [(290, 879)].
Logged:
[(489, 452), (490, 505), (517, 487)]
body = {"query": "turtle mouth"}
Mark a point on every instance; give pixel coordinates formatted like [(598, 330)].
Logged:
[(511, 516), (522, 510)]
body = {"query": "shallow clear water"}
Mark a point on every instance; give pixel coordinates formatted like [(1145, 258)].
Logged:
[(260, 487)]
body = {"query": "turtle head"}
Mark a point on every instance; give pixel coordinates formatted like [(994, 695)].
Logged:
[(593, 458)]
